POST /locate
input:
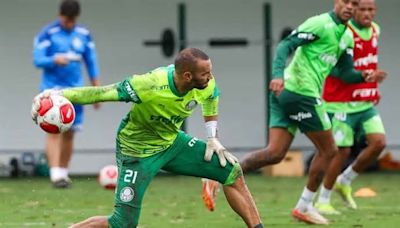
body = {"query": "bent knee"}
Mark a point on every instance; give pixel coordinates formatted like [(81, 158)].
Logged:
[(378, 145), (329, 153), (274, 156), (277, 158), (333, 151), (235, 173)]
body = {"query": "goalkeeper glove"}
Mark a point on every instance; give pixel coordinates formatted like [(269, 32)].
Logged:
[(36, 101), (214, 146)]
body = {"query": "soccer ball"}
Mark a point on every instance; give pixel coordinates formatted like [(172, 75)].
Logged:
[(56, 114), (108, 177)]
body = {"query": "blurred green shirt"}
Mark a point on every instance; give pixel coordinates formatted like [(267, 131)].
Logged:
[(319, 43)]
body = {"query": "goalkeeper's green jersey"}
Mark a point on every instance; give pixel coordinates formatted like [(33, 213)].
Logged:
[(320, 41), (158, 111)]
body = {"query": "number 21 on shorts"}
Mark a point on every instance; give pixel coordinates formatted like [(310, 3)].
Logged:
[(130, 176)]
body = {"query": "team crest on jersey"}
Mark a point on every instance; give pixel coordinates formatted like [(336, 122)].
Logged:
[(191, 105), (77, 43), (126, 194)]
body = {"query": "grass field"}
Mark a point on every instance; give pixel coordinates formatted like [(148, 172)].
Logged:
[(174, 201)]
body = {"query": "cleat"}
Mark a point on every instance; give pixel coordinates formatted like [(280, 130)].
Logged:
[(62, 183), (209, 192), (310, 216), (326, 209), (345, 192)]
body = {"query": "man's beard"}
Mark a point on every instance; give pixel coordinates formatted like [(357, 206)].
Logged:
[(198, 85)]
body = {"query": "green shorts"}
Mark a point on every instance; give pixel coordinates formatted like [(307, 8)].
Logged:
[(185, 156), (348, 126), (291, 111)]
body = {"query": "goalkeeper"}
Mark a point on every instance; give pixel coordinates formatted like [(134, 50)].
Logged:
[(149, 138)]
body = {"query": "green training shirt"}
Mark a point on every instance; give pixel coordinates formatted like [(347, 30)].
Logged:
[(353, 107), (319, 43), (158, 111)]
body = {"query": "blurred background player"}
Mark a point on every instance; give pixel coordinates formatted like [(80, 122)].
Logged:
[(149, 138), (353, 113), (322, 42), (59, 49), (211, 188)]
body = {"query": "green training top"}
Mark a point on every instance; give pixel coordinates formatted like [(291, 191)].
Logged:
[(321, 42), (158, 111), (353, 107)]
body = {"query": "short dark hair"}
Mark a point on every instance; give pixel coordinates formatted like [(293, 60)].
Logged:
[(186, 59), (70, 8)]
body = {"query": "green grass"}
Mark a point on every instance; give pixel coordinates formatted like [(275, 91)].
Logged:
[(174, 201)]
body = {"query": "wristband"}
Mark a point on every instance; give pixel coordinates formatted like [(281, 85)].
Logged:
[(211, 129)]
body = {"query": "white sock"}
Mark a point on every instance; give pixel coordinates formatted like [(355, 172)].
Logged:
[(64, 172), (306, 199), (55, 173), (324, 195), (347, 176)]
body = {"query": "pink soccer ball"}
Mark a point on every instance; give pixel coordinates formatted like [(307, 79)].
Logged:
[(108, 177)]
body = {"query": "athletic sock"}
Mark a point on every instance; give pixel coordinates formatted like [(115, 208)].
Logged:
[(305, 199), (55, 173), (324, 195), (64, 172), (347, 176)]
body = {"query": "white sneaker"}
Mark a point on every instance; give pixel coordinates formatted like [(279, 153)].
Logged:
[(310, 216)]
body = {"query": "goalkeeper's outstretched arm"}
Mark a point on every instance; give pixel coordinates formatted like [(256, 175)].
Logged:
[(92, 94)]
